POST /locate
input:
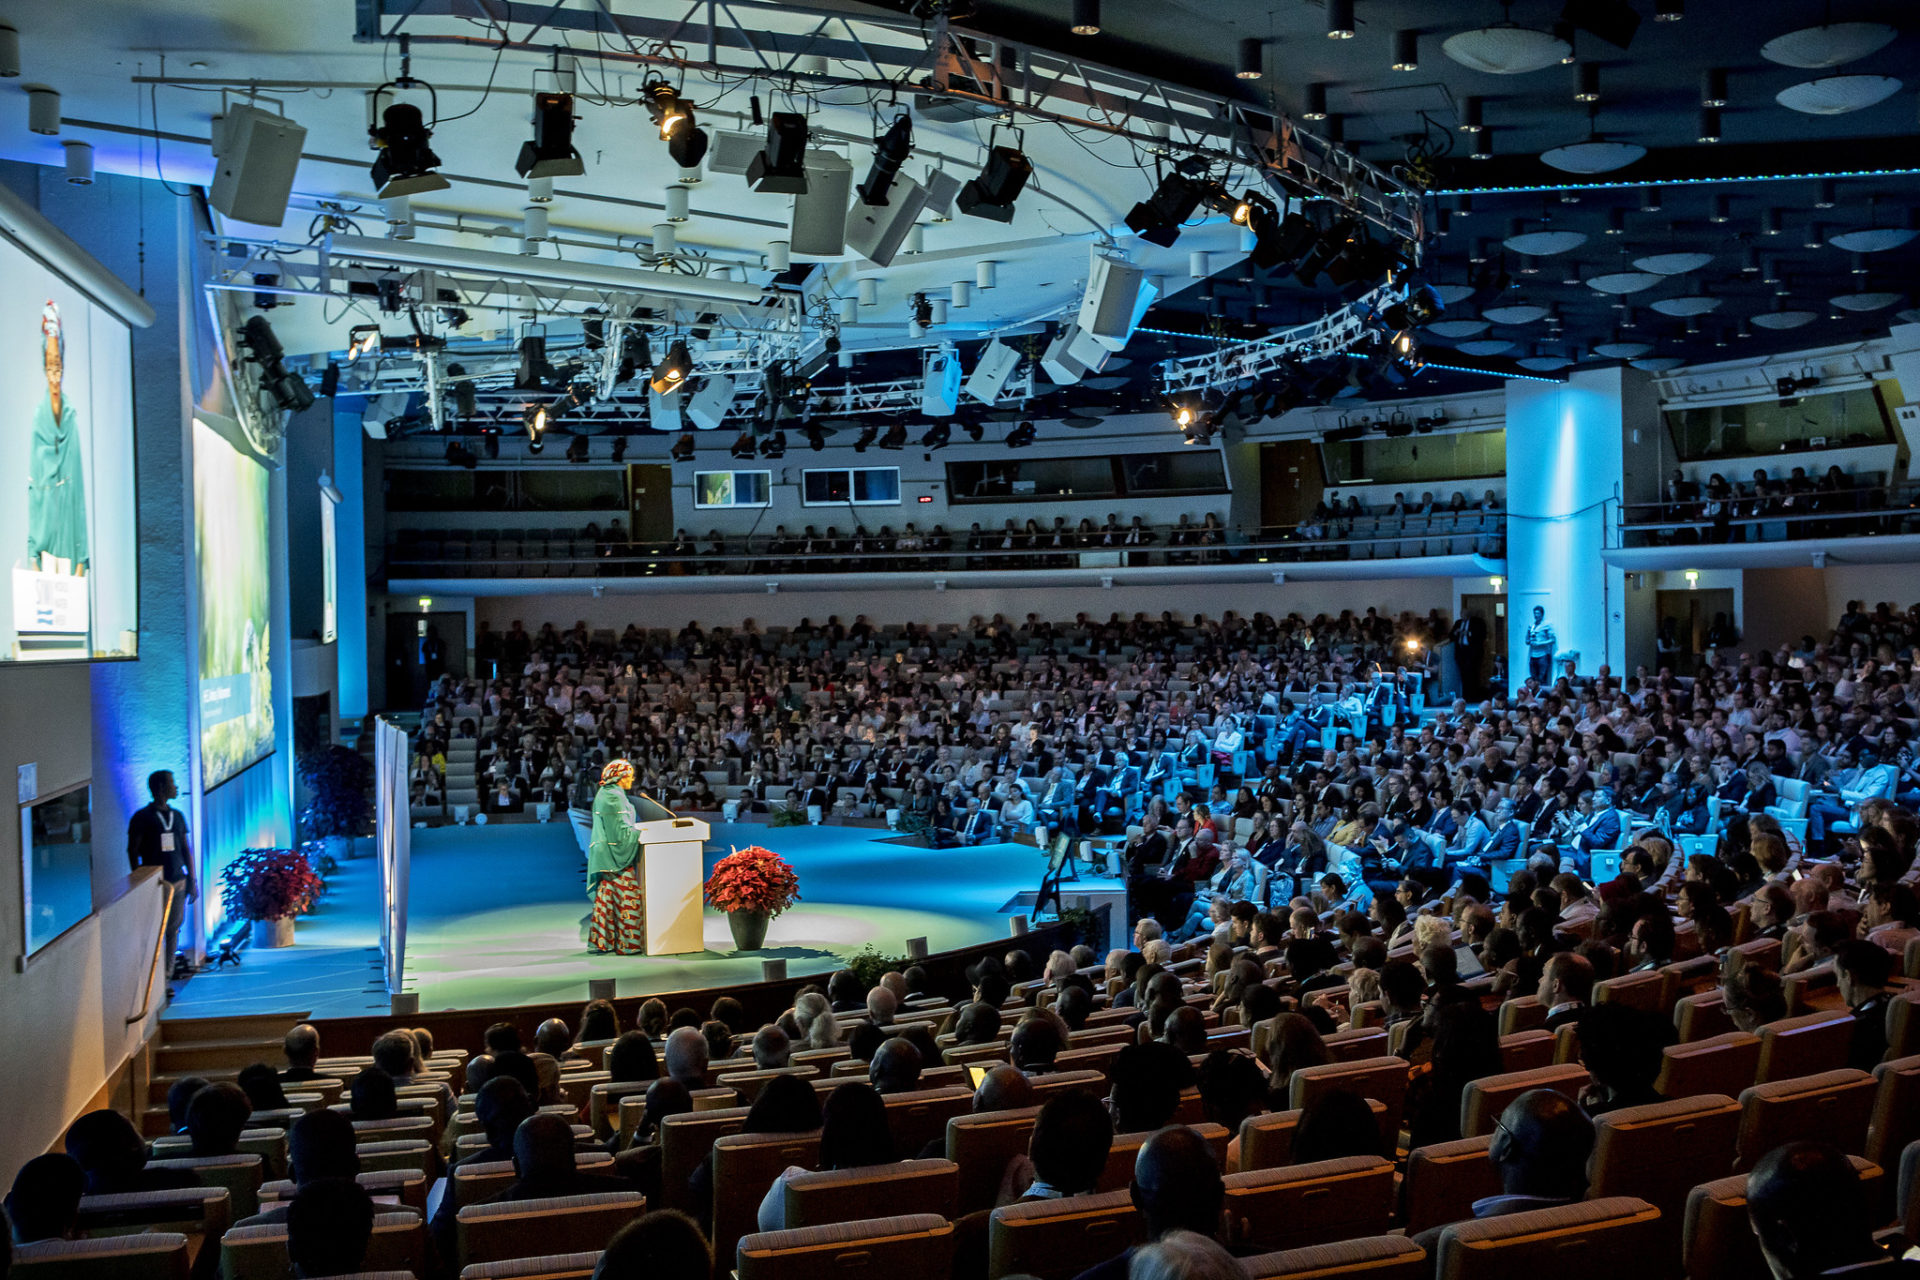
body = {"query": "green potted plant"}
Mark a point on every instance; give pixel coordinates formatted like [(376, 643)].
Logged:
[(269, 887), (342, 806), (752, 885)]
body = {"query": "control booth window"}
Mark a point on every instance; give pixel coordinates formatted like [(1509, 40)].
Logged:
[(856, 486), (732, 489)]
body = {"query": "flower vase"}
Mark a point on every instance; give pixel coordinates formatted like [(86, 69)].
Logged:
[(749, 929), (273, 933)]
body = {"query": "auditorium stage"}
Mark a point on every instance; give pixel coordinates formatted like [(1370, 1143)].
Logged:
[(497, 916)]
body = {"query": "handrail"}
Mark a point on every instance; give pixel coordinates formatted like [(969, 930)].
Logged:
[(625, 559), (1898, 505)]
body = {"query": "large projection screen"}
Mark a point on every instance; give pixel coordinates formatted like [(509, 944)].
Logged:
[(230, 548), (71, 590)]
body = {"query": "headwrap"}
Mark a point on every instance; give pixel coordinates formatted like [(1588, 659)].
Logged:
[(620, 771), (50, 330)]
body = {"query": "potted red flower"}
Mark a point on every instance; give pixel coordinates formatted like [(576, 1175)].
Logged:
[(752, 885), (270, 887)]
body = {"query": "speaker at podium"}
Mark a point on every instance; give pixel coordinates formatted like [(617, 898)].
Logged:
[(673, 876)]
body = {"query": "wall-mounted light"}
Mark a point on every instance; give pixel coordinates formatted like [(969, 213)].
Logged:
[(426, 604), (1693, 579), (1495, 582)]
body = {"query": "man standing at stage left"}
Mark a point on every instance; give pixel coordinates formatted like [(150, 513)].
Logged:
[(613, 869), (157, 837)]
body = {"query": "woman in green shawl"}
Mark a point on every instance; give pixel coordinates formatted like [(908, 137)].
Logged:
[(613, 869), (56, 494)]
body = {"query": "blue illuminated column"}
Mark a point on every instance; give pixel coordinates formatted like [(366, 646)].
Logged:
[(1567, 452)]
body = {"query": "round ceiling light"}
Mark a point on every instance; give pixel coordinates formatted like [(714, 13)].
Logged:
[(1457, 328), (1693, 304), (1618, 282), (1673, 264), (1514, 313), (1784, 319), (1829, 45), (1865, 301), (1595, 155), (1872, 239), (1543, 363), (1506, 50), (1621, 349), (1449, 293), (1837, 95), (1541, 244), (1486, 347), (1656, 364)]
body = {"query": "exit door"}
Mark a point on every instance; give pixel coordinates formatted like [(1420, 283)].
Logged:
[(650, 486), (1491, 609), (1291, 482), (1692, 615)]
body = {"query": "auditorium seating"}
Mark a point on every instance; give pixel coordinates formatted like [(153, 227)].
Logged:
[(149, 1255), (525, 1228), (1371, 1258), (1304, 1204), (1484, 1099), (399, 1243), (1591, 1240), (903, 1245), (1057, 1239), (847, 1195), (1831, 1107), (1719, 1241)]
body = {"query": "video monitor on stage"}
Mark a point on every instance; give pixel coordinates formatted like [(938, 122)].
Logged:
[(71, 590), (230, 548)]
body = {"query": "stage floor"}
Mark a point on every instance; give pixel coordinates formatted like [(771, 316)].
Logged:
[(497, 916)]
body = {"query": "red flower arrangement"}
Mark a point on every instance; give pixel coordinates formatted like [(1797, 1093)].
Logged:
[(753, 879), (269, 884)]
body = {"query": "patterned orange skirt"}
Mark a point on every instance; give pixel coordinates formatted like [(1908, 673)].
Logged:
[(619, 915)]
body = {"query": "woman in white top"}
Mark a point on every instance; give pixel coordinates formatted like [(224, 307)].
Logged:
[(1016, 814)]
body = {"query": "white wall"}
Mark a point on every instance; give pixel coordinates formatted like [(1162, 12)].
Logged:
[(1389, 595)]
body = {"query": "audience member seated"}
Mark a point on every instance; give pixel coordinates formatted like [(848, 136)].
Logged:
[(302, 1050), (215, 1118), (1177, 1187), (1540, 1148), (45, 1200), (329, 1226), (114, 1160), (853, 1135), (663, 1245), (1812, 1218)]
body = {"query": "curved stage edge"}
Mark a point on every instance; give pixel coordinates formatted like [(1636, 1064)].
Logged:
[(497, 918)]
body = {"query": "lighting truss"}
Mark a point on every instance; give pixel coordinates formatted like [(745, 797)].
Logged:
[(729, 38), (1331, 335)]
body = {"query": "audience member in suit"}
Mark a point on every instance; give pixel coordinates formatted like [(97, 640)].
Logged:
[(302, 1049), (544, 1167), (320, 1145), (215, 1118), (1621, 1049), (329, 1226), (1806, 1206), (110, 1153), (1566, 987), (1540, 1148), (663, 1245), (1860, 972), (1177, 1187), (45, 1201)]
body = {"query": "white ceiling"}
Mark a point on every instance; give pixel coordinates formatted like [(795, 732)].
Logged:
[(93, 64)]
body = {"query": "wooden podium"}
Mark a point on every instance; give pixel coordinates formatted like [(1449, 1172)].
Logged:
[(671, 852)]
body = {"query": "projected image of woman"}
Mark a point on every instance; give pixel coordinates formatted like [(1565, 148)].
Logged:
[(619, 925), (56, 495)]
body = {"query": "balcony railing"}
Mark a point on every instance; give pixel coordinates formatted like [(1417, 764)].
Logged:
[(1878, 510), (558, 554)]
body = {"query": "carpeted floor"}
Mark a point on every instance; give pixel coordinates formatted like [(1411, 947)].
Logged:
[(497, 916)]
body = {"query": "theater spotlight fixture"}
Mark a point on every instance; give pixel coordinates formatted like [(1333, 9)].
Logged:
[(534, 373), (578, 450), (895, 437), (671, 374), (405, 164), (868, 434), (1004, 177), (288, 389), (682, 450), (774, 446), (673, 116), (537, 419), (619, 448), (743, 447), (976, 431), (922, 309), (362, 339), (1157, 219), (550, 152), (781, 166), (937, 436), (1021, 436), (890, 151)]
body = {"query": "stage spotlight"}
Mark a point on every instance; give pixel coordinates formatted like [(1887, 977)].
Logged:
[(257, 336), (976, 432), (991, 195), (1421, 306), (534, 373), (922, 309), (671, 374), (868, 434), (1331, 243), (289, 390), (743, 447), (682, 450), (490, 443), (1021, 436), (459, 456), (536, 419), (465, 402), (619, 448), (890, 151), (362, 339), (1157, 219), (636, 353), (330, 381), (937, 436), (1187, 412), (673, 116), (816, 436), (895, 437), (406, 163), (774, 446), (550, 152), (578, 450), (781, 166)]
